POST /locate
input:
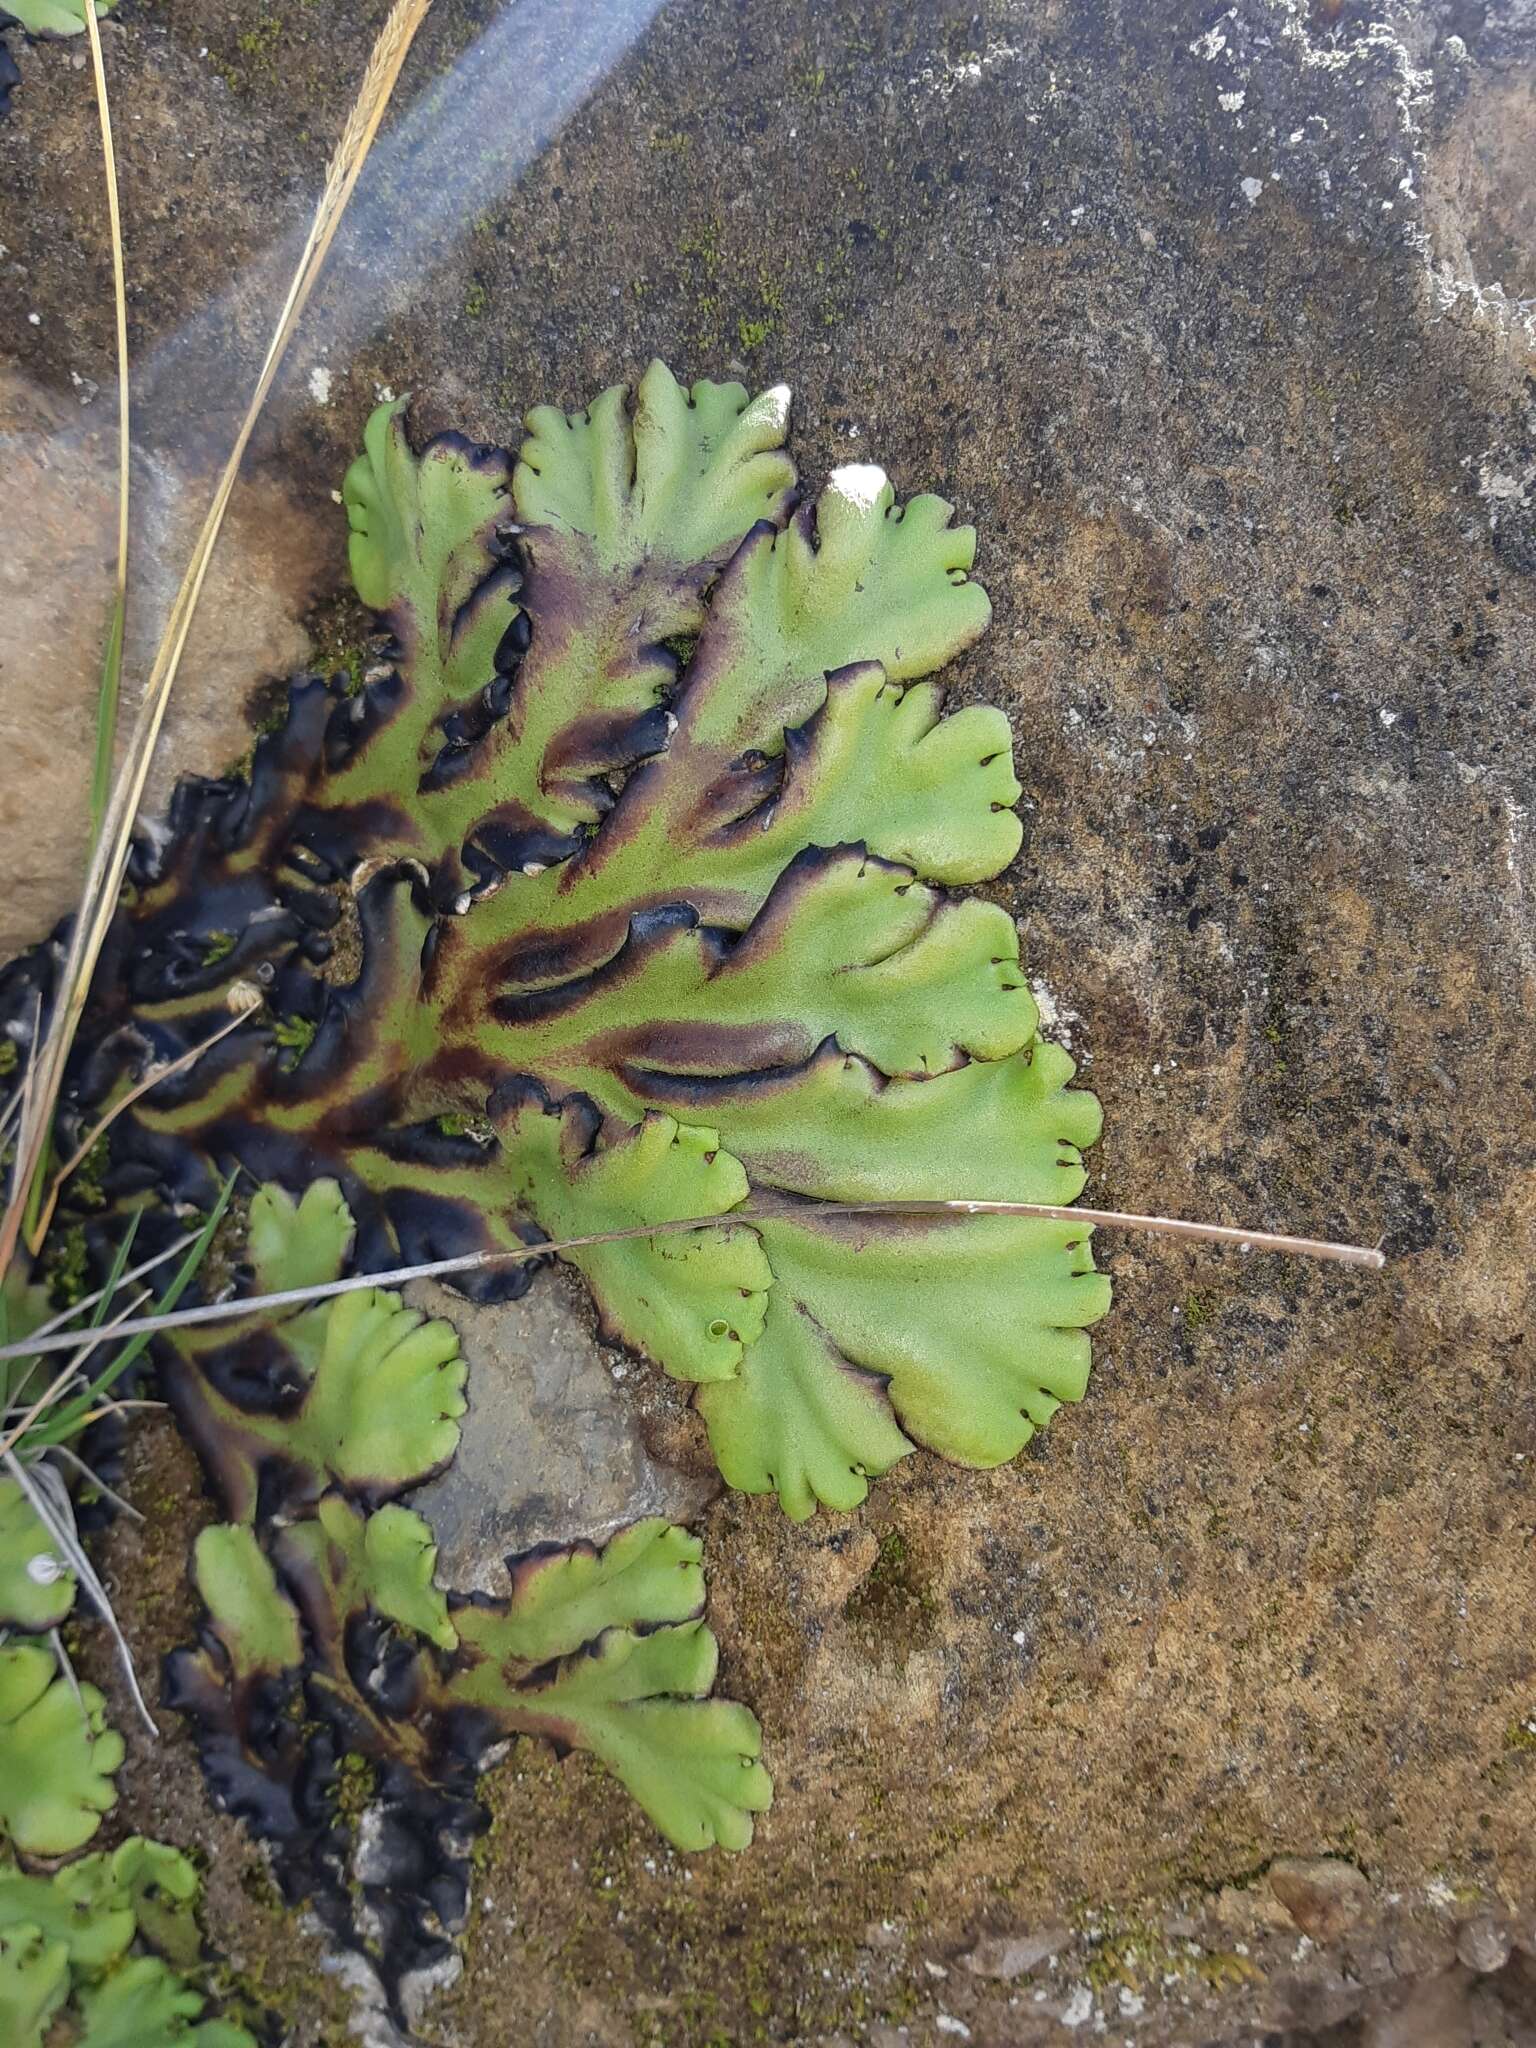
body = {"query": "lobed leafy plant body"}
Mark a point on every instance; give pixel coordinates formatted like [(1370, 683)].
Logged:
[(51, 17), (70, 1975), (639, 834), (57, 1754), (48, 18), (619, 893), (37, 1589), (329, 1650)]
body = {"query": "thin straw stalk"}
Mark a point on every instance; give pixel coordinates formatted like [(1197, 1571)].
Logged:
[(470, 1262), (112, 659)]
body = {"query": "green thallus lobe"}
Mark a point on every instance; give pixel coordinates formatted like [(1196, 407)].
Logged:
[(618, 894), (674, 933)]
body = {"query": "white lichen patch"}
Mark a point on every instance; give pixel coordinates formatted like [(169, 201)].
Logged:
[(941, 81), (1078, 2010), (1505, 484), (1056, 1016)]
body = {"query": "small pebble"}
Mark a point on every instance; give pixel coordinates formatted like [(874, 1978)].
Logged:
[(1483, 1944), (1007, 1956), (1324, 1895)]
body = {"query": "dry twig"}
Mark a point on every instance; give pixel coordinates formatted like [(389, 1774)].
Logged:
[(471, 1262)]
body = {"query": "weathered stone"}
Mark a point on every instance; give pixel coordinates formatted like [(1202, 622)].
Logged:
[(1210, 317), (1324, 1896), (883, 1934), (1010, 1955), (1314, 1999), (551, 1449), (1432, 2013), (58, 476), (1248, 1909), (1484, 1942), (1419, 1947)]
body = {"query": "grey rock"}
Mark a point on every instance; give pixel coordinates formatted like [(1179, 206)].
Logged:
[(1010, 1955), (1316, 1999), (551, 1449), (1420, 1948), (1430, 2013), (1484, 1943)]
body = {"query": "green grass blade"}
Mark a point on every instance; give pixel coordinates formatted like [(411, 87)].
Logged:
[(119, 1262), (20, 1381), (15, 1372), (37, 1192)]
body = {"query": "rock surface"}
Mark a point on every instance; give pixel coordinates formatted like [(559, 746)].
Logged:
[(550, 1452), (1211, 319), (58, 471), (1007, 1956), (1484, 1944)]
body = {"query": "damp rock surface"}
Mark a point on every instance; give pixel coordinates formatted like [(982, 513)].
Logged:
[(58, 474), (1211, 319), (550, 1451)]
